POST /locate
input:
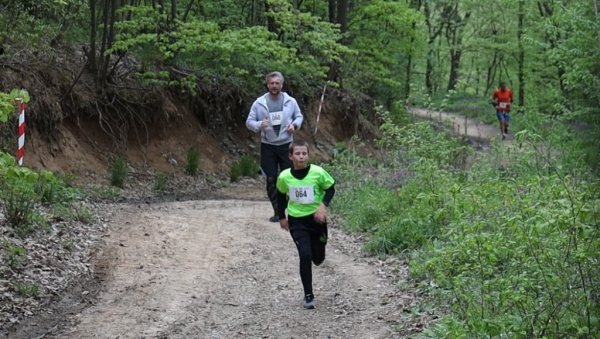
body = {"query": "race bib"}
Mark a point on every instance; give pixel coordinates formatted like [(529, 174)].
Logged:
[(276, 118), (302, 194), (503, 105)]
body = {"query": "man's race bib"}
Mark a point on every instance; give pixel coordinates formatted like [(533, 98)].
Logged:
[(503, 105), (302, 194), (276, 118)]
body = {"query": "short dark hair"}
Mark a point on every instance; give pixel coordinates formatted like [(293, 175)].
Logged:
[(274, 75), (502, 84), (298, 143)]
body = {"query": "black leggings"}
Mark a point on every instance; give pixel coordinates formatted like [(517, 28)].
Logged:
[(273, 159), (310, 238)]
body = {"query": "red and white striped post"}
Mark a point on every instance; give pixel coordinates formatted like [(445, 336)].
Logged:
[(21, 132)]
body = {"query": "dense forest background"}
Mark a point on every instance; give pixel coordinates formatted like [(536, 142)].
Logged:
[(503, 243), (396, 52)]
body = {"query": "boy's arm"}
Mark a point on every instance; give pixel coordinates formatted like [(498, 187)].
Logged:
[(329, 193), (282, 202)]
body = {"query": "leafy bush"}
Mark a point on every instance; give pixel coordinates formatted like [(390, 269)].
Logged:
[(160, 182), (26, 289), (18, 205), (192, 162), (510, 246), (118, 172), (16, 255), (52, 189), (235, 172), (248, 166)]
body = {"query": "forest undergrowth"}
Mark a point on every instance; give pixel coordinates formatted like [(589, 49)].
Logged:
[(504, 242)]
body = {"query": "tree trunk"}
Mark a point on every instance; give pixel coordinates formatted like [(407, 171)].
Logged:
[(455, 55), (416, 5), (429, 71), (434, 32), (521, 57), (91, 62), (271, 24), (342, 15), (174, 10), (331, 10)]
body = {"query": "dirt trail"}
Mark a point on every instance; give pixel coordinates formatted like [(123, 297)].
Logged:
[(463, 126), (219, 269)]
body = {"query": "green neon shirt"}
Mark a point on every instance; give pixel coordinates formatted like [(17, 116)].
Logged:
[(304, 195)]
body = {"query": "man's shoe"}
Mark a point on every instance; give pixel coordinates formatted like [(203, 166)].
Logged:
[(503, 136), (274, 218), (309, 301)]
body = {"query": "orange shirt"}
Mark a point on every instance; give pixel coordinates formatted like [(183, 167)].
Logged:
[(503, 99)]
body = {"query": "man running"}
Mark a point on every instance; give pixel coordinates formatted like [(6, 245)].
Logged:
[(276, 115), (503, 99)]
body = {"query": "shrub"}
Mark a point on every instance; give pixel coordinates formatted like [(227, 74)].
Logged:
[(118, 172), (192, 162), (16, 255), (52, 189), (235, 172), (18, 204), (26, 289), (160, 182), (248, 166)]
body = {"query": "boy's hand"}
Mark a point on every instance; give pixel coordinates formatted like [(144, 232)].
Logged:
[(283, 223), (321, 214)]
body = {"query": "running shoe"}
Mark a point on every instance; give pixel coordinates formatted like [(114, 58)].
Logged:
[(309, 301), (274, 218)]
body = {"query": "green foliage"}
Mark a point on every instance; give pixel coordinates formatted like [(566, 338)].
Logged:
[(52, 189), (22, 189), (8, 103), (192, 163), (104, 192), (18, 201), (467, 105), (510, 246), (245, 166), (235, 172), (84, 215), (160, 182), (118, 172), (384, 34), (248, 166), (68, 245), (26, 289), (16, 256), (208, 50)]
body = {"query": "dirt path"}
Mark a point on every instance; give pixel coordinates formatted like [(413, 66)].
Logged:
[(219, 269), (462, 126)]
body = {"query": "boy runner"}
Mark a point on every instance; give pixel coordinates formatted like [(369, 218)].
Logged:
[(306, 190)]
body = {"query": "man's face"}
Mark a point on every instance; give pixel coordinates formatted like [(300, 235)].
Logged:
[(299, 157), (274, 84)]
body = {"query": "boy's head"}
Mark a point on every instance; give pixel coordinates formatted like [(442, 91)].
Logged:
[(298, 154), (502, 85)]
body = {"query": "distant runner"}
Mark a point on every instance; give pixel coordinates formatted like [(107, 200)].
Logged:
[(503, 99), (306, 190)]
